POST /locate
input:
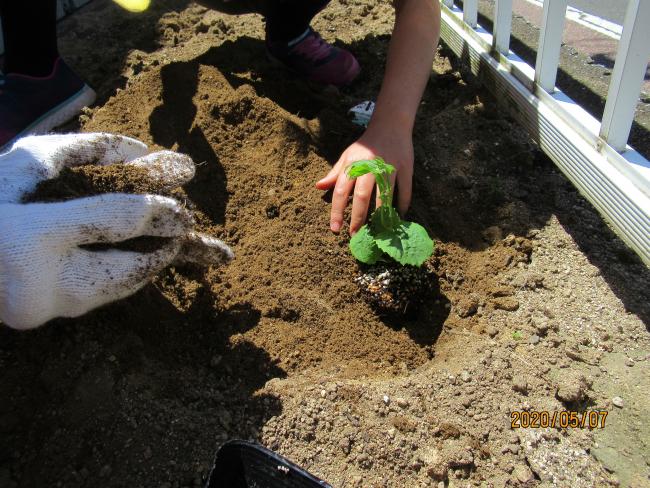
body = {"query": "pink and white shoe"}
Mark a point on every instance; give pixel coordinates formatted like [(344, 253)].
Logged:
[(311, 57)]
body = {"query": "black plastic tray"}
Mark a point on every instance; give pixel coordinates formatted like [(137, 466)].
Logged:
[(241, 464)]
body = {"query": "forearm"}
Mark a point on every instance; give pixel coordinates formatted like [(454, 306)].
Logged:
[(410, 56)]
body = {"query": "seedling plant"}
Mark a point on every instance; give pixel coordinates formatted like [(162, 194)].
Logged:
[(387, 236)]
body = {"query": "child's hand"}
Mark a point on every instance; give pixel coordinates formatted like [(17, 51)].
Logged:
[(396, 149)]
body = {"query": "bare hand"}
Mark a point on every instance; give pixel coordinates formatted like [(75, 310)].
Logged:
[(396, 150)]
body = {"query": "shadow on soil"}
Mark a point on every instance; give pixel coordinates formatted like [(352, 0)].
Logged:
[(244, 62), (171, 123), (424, 320), (166, 382), (622, 269), (97, 49)]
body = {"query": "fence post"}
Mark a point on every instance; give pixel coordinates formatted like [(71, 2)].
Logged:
[(502, 26), (470, 12), (550, 41), (627, 77)]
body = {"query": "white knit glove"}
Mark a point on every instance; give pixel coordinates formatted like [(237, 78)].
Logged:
[(43, 271)]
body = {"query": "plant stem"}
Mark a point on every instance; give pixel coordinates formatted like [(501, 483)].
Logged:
[(385, 190)]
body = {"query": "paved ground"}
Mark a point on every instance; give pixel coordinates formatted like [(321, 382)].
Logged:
[(612, 10)]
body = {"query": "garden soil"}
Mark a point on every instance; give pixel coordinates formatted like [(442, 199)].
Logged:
[(537, 306), (88, 180)]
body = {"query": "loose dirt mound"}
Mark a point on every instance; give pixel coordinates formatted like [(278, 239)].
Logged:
[(279, 346), (257, 165)]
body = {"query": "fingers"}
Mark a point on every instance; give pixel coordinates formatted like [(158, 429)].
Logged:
[(404, 190), (170, 168), (342, 187), (93, 279), (361, 201), (330, 180), (61, 150), (115, 217), (342, 191), (204, 250), (167, 167)]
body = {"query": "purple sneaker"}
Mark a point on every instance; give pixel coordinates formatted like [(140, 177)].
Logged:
[(310, 56), (35, 105)]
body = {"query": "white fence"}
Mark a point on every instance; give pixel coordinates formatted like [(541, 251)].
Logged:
[(594, 155)]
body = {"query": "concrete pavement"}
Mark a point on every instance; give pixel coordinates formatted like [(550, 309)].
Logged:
[(612, 10)]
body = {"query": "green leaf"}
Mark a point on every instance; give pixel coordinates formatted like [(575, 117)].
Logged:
[(360, 168), (409, 243), (363, 247), (380, 169), (375, 166)]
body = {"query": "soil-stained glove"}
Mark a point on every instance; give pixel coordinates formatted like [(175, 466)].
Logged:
[(44, 273)]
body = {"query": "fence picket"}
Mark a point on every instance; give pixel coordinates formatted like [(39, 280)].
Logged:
[(550, 41), (627, 77), (470, 12), (502, 26)]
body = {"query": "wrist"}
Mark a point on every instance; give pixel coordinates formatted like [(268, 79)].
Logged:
[(391, 124)]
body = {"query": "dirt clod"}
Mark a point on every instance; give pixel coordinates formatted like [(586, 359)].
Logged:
[(89, 180), (396, 289), (573, 388)]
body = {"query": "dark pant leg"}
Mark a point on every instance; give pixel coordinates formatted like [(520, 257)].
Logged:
[(29, 34), (285, 19), (290, 18)]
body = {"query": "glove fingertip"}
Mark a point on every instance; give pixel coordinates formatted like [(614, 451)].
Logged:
[(204, 250), (167, 167), (167, 218)]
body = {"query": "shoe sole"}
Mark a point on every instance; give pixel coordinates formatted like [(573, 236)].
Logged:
[(60, 114)]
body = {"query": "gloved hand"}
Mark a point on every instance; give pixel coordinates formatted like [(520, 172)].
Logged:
[(43, 271)]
